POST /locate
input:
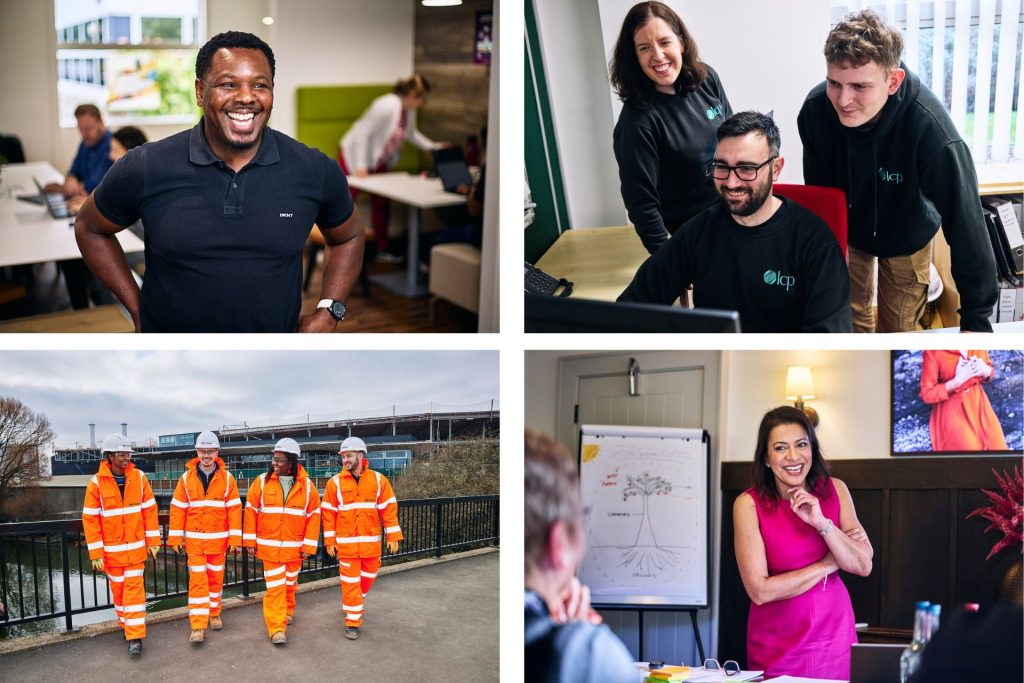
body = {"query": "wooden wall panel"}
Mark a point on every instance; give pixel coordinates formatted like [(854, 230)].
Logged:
[(913, 509), (864, 590), (457, 107), (918, 552)]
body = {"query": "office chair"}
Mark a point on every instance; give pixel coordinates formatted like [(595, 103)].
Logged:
[(10, 148), (828, 203)]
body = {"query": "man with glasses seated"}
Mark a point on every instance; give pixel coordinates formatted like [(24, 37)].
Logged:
[(772, 260)]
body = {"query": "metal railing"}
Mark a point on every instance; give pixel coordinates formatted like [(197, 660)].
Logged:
[(32, 554)]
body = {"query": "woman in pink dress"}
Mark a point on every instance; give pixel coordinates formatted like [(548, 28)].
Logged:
[(794, 529)]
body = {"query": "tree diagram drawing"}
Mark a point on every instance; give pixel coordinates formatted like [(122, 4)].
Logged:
[(646, 520), (646, 555)]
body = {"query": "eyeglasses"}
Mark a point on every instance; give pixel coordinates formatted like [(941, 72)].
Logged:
[(743, 171), (731, 666), (280, 460)]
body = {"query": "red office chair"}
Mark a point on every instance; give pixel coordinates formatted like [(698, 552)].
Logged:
[(828, 203)]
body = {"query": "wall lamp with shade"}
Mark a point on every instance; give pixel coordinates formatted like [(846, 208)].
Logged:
[(800, 387)]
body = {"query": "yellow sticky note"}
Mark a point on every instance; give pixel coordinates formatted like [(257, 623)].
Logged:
[(590, 451)]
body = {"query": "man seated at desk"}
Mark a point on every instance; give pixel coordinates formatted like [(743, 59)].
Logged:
[(92, 160), (768, 258)]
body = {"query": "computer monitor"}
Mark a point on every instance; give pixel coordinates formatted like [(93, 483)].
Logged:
[(875, 662), (567, 314), (451, 168)]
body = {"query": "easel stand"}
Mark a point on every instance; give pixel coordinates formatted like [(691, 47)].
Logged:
[(640, 609)]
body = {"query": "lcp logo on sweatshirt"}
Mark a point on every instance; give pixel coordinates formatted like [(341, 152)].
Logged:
[(890, 176), (776, 278), (717, 110)]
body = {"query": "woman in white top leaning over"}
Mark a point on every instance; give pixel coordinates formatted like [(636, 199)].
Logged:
[(374, 142)]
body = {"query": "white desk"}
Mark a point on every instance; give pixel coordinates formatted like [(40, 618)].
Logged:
[(417, 193), (27, 232)]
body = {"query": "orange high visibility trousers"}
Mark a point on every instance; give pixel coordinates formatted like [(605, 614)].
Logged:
[(128, 589), (357, 575), (279, 600), (205, 584)]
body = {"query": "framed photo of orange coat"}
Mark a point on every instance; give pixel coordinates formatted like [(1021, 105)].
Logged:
[(957, 401)]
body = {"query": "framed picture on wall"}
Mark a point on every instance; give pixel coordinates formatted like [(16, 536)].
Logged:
[(957, 402), (482, 39)]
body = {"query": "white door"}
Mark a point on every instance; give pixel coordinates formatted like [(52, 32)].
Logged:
[(675, 389)]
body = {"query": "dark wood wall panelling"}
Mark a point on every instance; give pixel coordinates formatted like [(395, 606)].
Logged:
[(457, 107), (913, 510)]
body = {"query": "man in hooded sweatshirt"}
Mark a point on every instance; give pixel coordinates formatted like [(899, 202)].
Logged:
[(873, 130)]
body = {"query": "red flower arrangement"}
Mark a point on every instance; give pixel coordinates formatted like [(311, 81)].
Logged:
[(1006, 513)]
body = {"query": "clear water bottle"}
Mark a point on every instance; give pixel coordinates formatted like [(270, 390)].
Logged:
[(911, 657), (934, 612)]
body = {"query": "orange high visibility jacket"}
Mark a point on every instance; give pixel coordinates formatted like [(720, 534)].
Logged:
[(119, 529), (282, 529), (353, 513), (208, 520)]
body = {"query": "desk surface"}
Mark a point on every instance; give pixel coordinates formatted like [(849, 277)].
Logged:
[(27, 232), (414, 190), (600, 262)]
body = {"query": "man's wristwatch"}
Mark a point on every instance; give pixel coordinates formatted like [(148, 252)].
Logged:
[(334, 307)]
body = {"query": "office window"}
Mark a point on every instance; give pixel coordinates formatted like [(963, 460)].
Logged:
[(133, 59), (969, 53), (158, 30)]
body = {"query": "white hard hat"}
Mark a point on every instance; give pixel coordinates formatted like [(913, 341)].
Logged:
[(287, 445), (352, 443), (207, 440), (115, 443)]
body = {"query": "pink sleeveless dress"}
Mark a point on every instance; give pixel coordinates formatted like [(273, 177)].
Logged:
[(808, 634)]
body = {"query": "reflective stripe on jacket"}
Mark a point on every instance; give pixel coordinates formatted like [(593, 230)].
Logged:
[(208, 521), (282, 529), (119, 529), (353, 513)]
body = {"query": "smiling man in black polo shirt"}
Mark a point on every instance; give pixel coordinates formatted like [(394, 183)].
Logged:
[(227, 206)]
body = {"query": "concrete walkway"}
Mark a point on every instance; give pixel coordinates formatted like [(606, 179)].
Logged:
[(434, 621)]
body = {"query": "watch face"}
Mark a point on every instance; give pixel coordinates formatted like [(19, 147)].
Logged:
[(337, 310)]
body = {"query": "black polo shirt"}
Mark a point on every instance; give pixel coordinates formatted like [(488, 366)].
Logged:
[(223, 249)]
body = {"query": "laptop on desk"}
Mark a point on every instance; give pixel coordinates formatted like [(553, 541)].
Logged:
[(55, 202), (875, 662), (451, 168)]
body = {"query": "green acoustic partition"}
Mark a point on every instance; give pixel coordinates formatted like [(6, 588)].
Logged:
[(543, 168), (325, 113)]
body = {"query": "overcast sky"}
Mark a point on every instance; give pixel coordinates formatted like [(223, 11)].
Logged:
[(170, 392)]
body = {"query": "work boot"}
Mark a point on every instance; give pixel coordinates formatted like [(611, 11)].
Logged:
[(352, 632), (278, 638), (289, 618), (216, 624), (198, 636), (135, 647)]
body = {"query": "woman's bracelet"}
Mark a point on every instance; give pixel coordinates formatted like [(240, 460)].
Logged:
[(825, 529)]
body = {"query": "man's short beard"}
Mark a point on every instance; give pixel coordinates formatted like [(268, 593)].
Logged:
[(756, 201), (244, 146)]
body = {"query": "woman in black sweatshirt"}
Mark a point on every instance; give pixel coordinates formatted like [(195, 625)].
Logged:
[(665, 137)]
